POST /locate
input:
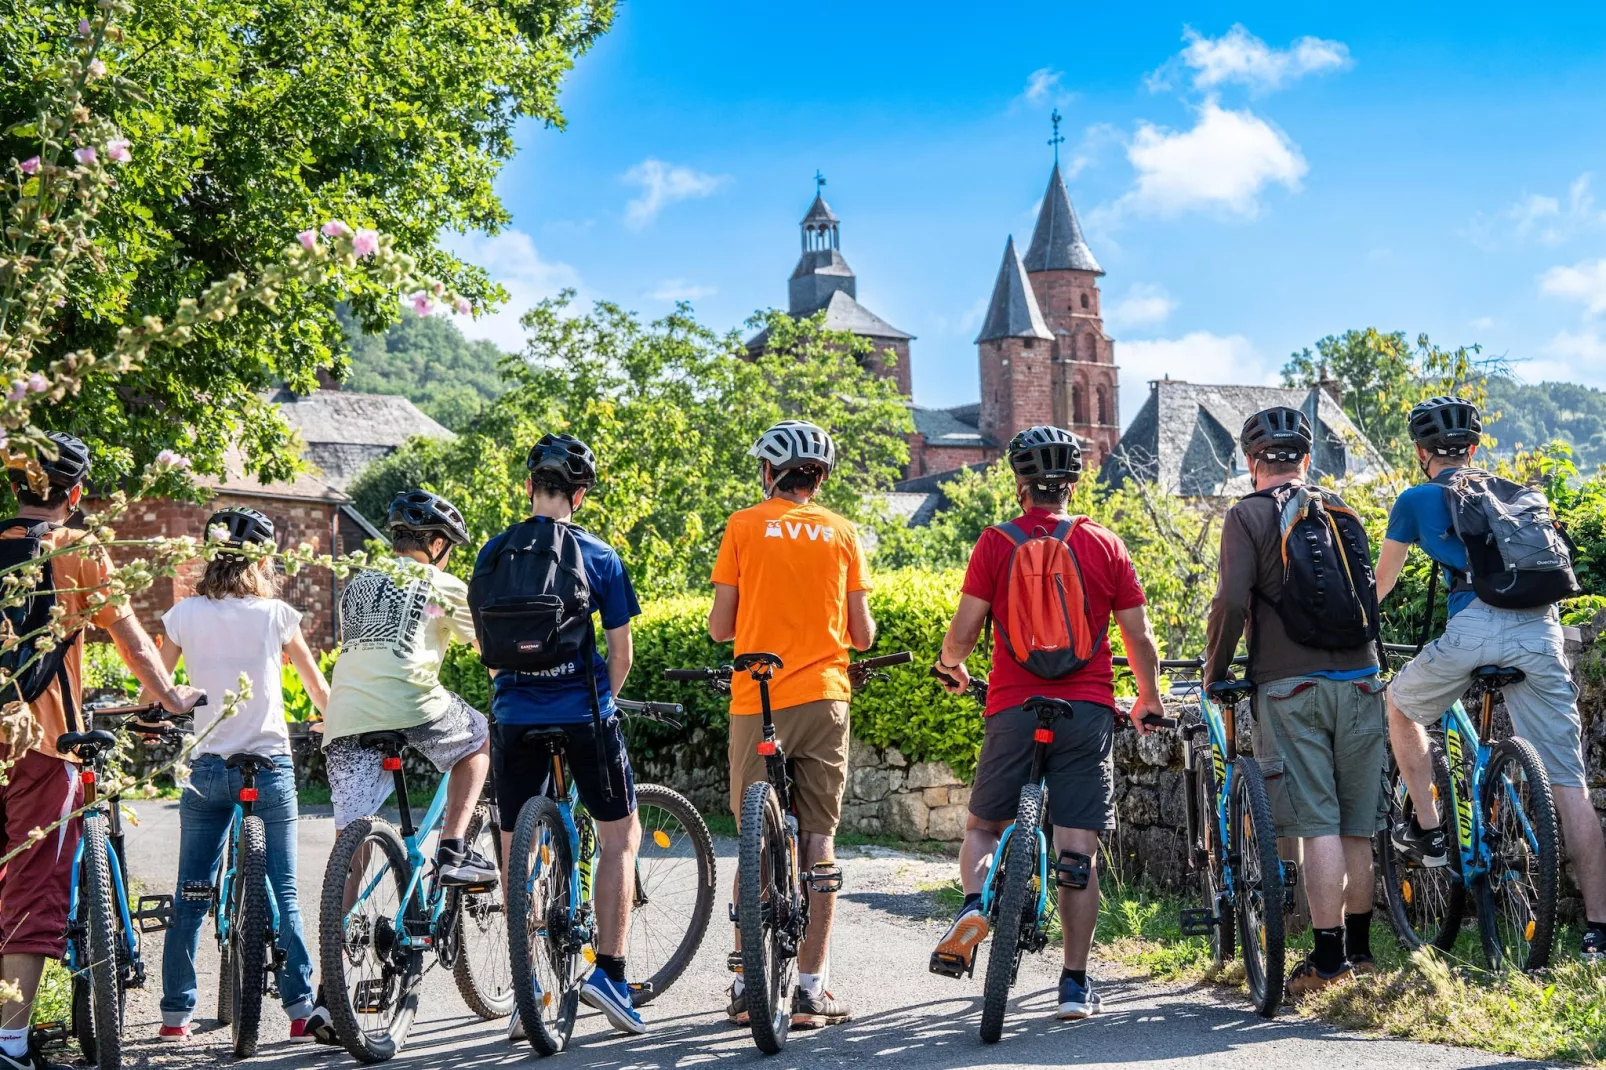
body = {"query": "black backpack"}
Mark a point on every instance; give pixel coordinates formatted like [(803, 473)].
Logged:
[(1518, 556), (531, 601), (31, 673), (1329, 597)]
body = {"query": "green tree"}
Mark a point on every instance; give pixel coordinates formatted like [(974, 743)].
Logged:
[(1534, 414), (249, 122), (670, 409), (427, 360)]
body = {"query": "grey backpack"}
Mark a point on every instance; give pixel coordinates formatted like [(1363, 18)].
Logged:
[(1518, 555)]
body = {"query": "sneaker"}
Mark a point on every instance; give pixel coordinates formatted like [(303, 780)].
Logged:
[(34, 1060), (468, 869), (178, 1034), (736, 1010), (956, 951), (319, 1026), (1424, 847), (1593, 948), (1363, 964), (612, 998), (298, 1029), (1306, 978), (812, 1012), (1078, 1001), (515, 1027)]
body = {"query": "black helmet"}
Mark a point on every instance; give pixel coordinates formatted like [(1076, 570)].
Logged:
[(1276, 434), (240, 526), (565, 457), (420, 510), (1447, 426), (1046, 453), (68, 468)]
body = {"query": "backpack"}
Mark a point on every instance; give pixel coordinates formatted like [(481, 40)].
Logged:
[(1048, 628), (531, 601), (31, 673), (1518, 556), (1329, 597)]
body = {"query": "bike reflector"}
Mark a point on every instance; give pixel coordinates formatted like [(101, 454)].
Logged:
[(392, 763), (248, 795), (767, 748), (87, 776), (1043, 735)]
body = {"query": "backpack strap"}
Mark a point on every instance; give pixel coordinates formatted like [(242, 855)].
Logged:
[(1013, 532)]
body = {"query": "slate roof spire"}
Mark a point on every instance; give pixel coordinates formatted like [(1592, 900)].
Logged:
[(1057, 242), (1013, 311)]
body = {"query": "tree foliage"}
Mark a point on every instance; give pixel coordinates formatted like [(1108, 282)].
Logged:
[(1532, 415), (427, 360)]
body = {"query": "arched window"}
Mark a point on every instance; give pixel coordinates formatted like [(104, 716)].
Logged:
[(1103, 405), (1084, 301), (1078, 405)]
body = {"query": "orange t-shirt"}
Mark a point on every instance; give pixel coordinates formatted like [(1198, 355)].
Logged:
[(76, 576), (793, 567)]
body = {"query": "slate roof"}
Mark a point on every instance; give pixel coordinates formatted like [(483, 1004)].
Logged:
[(1013, 312), (950, 427), (921, 498), (844, 313), (1185, 437), (820, 212), (345, 431), (1057, 242), (304, 487)]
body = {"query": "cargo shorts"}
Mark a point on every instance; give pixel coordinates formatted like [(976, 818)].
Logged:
[(1323, 745), (814, 736)]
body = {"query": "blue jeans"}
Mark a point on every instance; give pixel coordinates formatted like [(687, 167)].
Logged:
[(205, 811)]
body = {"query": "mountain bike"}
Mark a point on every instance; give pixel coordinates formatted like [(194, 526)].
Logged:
[(772, 903), (384, 913), (1494, 795), (550, 867), (103, 934)]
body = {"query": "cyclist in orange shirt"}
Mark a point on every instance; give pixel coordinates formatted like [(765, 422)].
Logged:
[(791, 580)]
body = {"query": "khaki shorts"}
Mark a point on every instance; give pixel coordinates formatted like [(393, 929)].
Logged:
[(814, 737), (1323, 745)]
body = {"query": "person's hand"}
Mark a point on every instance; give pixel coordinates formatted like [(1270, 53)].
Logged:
[(1149, 706), (182, 698), (954, 679)]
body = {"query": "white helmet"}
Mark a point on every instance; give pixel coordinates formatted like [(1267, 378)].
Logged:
[(794, 443)]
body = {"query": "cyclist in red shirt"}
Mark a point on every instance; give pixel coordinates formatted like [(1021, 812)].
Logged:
[(1081, 777)]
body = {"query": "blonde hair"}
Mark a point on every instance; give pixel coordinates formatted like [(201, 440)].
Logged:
[(235, 576)]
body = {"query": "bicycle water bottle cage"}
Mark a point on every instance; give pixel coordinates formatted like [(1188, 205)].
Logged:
[(1230, 692), (758, 665), (1495, 677), (825, 878), (1073, 870)]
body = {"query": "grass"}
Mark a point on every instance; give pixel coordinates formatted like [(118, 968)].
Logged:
[(54, 1000), (725, 825)]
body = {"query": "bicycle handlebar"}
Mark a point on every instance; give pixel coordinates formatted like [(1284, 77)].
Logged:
[(1177, 663), (146, 711), (698, 675), (885, 660)]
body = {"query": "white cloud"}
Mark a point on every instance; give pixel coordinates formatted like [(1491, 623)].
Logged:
[(1142, 306), (1584, 282), (1222, 163), (1042, 84), (512, 260), (1198, 357), (664, 184), (1482, 323), (1239, 56), (1541, 217), (679, 290), (1571, 357)]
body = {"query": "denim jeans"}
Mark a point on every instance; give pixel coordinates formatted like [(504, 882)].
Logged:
[(205, 811)]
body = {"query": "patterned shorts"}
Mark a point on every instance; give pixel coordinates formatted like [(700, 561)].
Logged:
[(358, 781)]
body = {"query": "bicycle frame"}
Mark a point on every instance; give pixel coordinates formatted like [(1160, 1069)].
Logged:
[(429, 894), (1466, 787), (1222, 728), (567, 796), (225, 889)]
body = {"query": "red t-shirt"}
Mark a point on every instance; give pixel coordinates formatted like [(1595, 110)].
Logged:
[(1111, 583)]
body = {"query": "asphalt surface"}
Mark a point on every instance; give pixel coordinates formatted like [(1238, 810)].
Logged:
[(883, 939)]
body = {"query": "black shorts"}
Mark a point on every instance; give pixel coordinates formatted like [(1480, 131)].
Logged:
[(520, 771), (1080, 769)]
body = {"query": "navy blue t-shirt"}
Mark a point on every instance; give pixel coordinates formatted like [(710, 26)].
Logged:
[(560, 695), (1421, 516)]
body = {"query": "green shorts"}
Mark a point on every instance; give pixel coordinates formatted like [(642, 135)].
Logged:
[(1323, 745)]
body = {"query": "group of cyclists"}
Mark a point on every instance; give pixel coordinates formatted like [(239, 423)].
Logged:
[(790, 579)]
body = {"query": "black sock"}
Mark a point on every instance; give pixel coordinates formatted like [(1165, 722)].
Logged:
[(1328, 955), (1079, 976), (971, 899), (450, 847), (1598, 926), (613, 966), (1358, 935)]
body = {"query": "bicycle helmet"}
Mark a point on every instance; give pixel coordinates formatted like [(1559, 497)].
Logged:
[(420, 510), (1447, 426), (793, 444), (68, 468), (1046, 453), (565, 457), (241, 525), (1276, 434)]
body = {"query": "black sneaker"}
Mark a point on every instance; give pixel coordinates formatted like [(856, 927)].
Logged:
[(1593, 948), (1424, 847), (812, 1012), (470, 869), (34, 1060)]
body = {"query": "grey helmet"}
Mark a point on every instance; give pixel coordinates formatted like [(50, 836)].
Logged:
[(1279, 433), (793, 444), (1445, 425), (1047, 454)]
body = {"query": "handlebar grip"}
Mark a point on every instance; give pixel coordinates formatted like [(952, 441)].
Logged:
[(688, 674), (1160, 722), (884, 661), (671, 708)]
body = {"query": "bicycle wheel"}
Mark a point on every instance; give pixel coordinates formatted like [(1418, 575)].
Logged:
[(1426, 906), (771, 914), (101, 918), (674, 894), (1517, 896), (482, 971), (370, 981), (1224, 934), (543, 947), (1017, 907), (1257, 886), (225, 970), (249, 936)]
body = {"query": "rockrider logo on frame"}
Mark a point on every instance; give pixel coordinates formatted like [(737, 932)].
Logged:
[(794, 529)]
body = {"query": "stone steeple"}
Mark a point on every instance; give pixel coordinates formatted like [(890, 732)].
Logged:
[(1013, 312), (1057, 241), (820, 271), (1015, 348)]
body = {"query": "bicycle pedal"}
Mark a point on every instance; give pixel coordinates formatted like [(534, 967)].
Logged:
[(732, 911), (733, 962), (483, 888), (1290, 873), (641, 988), (950, 965), (196, 891), (371, 996), (825, 878), (1197, 921), (155, 912), (50, 1035)]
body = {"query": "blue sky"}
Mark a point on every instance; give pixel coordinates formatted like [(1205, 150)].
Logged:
[(1251, 177)]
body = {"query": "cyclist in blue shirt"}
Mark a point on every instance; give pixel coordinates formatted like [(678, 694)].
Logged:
[(562, 470)]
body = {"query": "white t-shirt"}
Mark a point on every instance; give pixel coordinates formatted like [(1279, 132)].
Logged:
[(222, 638)]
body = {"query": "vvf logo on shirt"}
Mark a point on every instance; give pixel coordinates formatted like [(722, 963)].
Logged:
[(776, 529)]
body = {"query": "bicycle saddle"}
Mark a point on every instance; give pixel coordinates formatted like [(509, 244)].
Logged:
[(1230, 692), (256, 762), (1495, 677), (92, 743), (1046, 709), (545, 737), (389, 742), (745, 662)]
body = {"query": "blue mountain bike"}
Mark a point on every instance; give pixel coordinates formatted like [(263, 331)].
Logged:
[(1494, 796)]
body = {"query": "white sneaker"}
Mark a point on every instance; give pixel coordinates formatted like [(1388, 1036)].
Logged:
[(515, 1028)]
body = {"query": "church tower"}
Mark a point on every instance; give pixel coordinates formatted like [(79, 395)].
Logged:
[(1015, 347)]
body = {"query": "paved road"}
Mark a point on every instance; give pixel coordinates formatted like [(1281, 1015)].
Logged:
[(904, 1013)]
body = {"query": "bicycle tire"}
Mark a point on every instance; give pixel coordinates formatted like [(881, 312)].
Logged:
[(225, 972), (1426, 906), (1014, 900), (767, 885), (660, 842), (1532, 916), (337, 943), (539, 922), (1224, 936), (1257, 883), (481, 924), (102, 919), (250, 935)]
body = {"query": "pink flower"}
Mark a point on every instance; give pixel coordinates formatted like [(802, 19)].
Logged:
[(30, 166), (97, 69), (462, 307), (83, 27), (308, 240), (335, 229), (169, 459), (37, 383), (117, 150), (422, 303), (85, 155), (433, 610), (437, 288), (19, 390), (365, 243)]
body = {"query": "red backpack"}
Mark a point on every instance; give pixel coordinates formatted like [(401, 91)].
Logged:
[(1048, 626)]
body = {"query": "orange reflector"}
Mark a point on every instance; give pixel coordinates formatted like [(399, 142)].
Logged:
[(588, 954), (1405, 891), (767, 748), (1043, 735), (392, 763), (661, 838), (87, 776), (546, 855), (1263, 941), (1528, 930), (546, 999), (248, 795)]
